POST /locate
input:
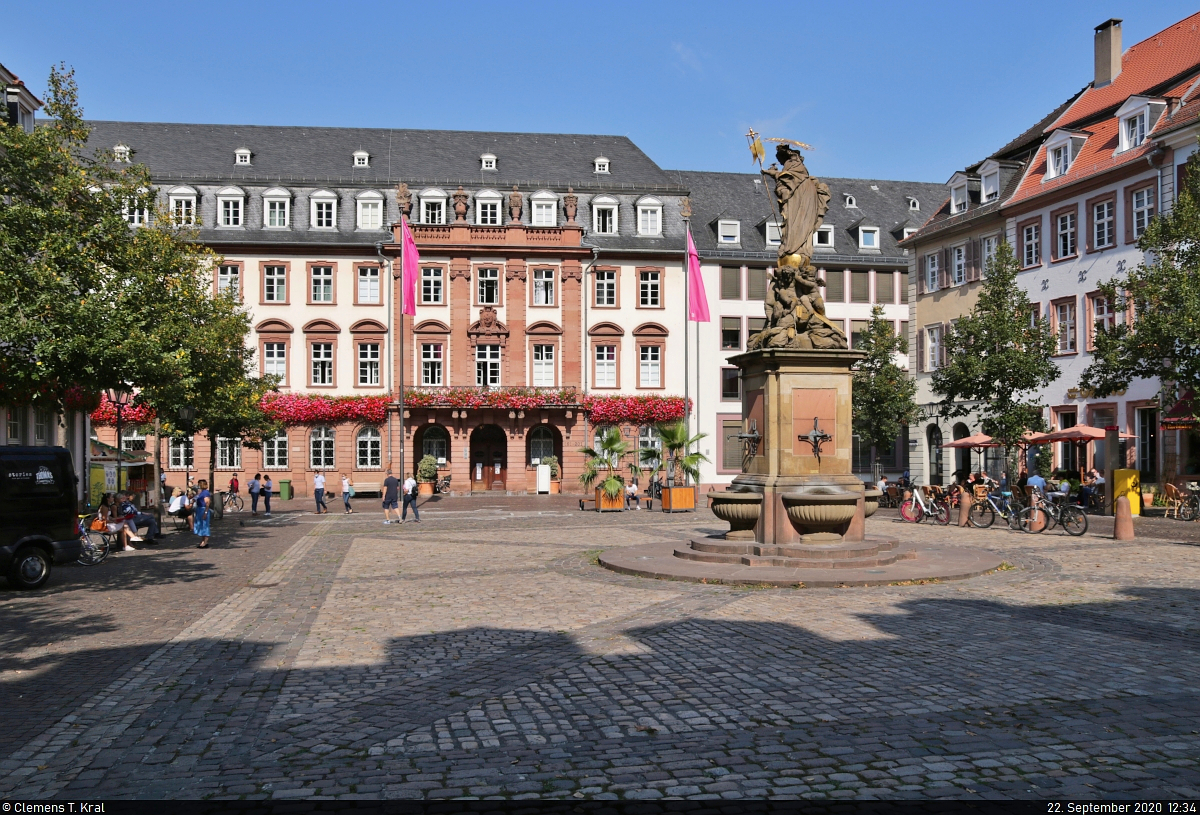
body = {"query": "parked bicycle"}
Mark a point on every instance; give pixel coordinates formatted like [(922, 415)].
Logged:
[(443, 484), (96, 544), (1045, 514), (918, 507), (985, 509), (1189, 507), (232, 502)]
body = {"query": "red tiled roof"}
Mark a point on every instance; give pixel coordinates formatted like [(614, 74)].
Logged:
[(1096, 157), (1146, 65)]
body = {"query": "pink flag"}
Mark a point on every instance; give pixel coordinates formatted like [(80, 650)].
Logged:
[(697, 299), (410, 263)]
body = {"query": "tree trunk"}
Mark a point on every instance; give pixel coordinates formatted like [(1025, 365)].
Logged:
[(212, 463), (156, 490)]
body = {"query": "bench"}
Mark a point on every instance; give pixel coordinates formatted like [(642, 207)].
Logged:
[(373, 487)]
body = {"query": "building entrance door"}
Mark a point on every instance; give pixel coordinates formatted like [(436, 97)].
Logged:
[(489, 458)]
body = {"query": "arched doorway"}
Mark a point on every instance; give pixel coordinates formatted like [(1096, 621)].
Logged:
[(489, 458), (543, 440), (934, 436), (962, 458)]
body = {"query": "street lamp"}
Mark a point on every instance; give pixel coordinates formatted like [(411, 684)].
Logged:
[(187, 415), (119, 395)]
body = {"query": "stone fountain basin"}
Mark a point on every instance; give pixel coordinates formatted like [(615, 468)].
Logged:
[(741, 510), (871, 502), (820, 510)]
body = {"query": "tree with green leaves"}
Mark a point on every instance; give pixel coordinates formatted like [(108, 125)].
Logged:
[(1162, 340), (88, 298), (603, 462), (998, 357), (676, 445), (884, 393)]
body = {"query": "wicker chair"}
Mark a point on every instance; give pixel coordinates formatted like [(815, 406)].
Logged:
[(1174, 499)]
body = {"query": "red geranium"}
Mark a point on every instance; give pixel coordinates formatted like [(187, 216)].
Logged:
[(312, 409)]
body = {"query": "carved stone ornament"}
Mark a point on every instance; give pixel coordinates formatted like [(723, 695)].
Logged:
[(570, 205), (487, 330), (514, 206), (460, 204), (515, 271), (685, 208), (403, 199)]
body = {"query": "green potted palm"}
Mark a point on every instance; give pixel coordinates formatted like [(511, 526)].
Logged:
[(600, 468), (555, 474), (426, 475), (679, 464)]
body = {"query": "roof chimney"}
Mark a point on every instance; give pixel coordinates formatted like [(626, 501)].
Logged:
[(1108, 52)]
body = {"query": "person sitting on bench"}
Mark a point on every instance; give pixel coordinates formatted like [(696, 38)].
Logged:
[(631, 495)]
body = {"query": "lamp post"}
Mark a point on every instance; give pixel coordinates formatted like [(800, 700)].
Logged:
[(119, 396), (187, 415)]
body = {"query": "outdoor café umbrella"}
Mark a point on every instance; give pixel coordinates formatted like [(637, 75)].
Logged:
[(1080, 435), (977, 443)]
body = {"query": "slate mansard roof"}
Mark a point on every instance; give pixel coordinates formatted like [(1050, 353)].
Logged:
[(735, 196), (324, 155)]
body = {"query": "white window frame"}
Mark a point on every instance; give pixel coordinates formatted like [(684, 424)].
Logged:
[(277, 202), (322, 446), (729, 232), (933, 347), (368, 449), (649, 289), (849, 201), (321, 283), (1067, 335), (487, 366), (43, 427), (601, 165), (958, 265), (605, 356), (368, 364), (432, 364), (275, 283), (433, 286), (367, 281), (241, 157), (608, 286), (543, 287), (909, 231), (320, 364), (185, 201), (605, 203), (432, 197), (650, 366), (483, 275), (931, 272), (773, 234), (229, 453), (824, 238), (1103, 313), (543, 366), (863, 232), (1144, 213), (1109, 224), (315, 203), (1134, 130), (276, 452), (181, 453), (1031, 243), (362, 158), (366, 203), (649, 212), (987, 251), (959, 199), (275, 360), (231, 208), (1066, 235), (543, 209), (435, 441), (493, 201)]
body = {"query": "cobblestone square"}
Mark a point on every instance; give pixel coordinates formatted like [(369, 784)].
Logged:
[(484, 653)]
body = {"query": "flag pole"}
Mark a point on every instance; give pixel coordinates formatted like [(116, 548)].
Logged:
[(401, 376), (687, 312)]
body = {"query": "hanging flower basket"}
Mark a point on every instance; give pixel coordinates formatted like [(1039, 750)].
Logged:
[(134, 413)]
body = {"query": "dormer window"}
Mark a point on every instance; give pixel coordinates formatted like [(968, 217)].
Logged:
[(913, 204), (1137, 118), (362, 158), (433, 206), (1061, 150), (230, 207), (277, 208), (1133, 131), (604, 215), (773, 234), (487, 208), (958, 199), (487, 162), (121, 153), (544, 211), (850, 202), (823, 238), (600, 165), (241, 156), (1060, 160), (990, 186), (729, 232), (868, 237), (323, 210), (909, 231)]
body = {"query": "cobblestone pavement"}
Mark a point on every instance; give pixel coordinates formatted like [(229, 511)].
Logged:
[(483, 653)]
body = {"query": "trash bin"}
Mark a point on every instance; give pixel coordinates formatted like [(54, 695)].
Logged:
[(1127, 483), (285, 489)]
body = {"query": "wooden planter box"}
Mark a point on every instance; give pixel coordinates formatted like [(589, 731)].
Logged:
[(678, 499), (424, 488), (606, 504)]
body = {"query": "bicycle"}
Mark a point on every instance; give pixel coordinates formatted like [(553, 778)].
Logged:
[(916, 508), (1045, 514), (985, 509), (232, 501), (1189, 507), (96, 545)]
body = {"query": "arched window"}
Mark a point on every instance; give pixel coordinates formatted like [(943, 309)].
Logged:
[(541, 444), (649, 440), (436, 442), (275, 451), (370, 449), (321, 448)]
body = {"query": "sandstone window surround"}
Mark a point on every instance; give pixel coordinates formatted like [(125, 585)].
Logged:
[(487, 208), (322, 339), (649, 211), (433, 285), (433, 339), (180, 453), (274, 349), (1099, 315), (606, 287), (606, 355), (277, 208), (544, 339), (432, 205), (275, 451), (368, 444), (229, 453), (231, 203), (371, 205), (1102, 215), (731, 282), (731, 385), (274, 276), (543, 208), (731, 333), (605, 211), (487, 286), (321, 449), (487, 366), (323, 206), (1064, 324), (650, 287), (1030, 235), (1139, 208), (181, 201), (322, 283), (229, 279), (366, 290), (1066, 231), (432, 363), (543, 287), (651, 340)]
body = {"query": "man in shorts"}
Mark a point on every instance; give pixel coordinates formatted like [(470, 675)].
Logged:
[(391, 498)]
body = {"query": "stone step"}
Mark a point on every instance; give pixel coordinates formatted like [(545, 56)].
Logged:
[(838, 551), (734, 559)]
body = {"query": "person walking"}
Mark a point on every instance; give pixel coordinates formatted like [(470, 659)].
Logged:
[(234, 485), (347, 485), (254, 487), (390, 487), (265, 489), (410, 499), (203, 514), (319, 493)]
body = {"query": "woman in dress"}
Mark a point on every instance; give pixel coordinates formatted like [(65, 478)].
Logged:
[(202, 514)]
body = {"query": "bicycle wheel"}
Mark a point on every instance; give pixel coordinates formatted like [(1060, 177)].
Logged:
[(95, 548), (911, 511), (982, 515), (1074, 521), (235, 503), (941, 513), (1034, 520), (1189, 509)]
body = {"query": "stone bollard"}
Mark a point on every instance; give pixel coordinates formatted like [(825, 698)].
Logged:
[(964, 508), (1123, 523)]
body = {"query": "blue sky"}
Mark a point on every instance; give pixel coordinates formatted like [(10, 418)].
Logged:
[(881, 89)]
